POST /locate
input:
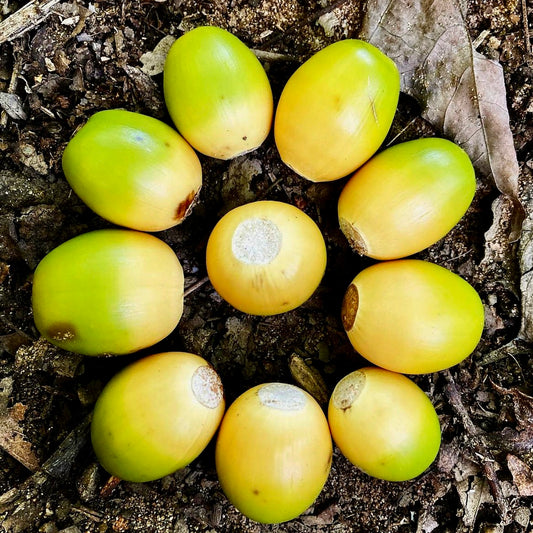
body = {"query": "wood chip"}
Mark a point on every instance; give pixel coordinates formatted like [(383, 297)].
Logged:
[(25, 19)]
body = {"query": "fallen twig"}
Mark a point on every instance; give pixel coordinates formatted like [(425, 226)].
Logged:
[(25, 19), (195, 286), (525, 23), (480, 447)]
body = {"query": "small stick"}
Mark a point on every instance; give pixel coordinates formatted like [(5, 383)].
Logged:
[(195, 286), (264, 55), (525, 22), (479, 445)]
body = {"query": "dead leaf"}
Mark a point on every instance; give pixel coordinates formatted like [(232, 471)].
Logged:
[(461, 92), (523, 406), (309, 378), (522, 475), (12, 105), (473, 493), (11, 434)]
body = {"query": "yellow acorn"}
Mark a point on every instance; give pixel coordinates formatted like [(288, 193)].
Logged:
[(108, 292), (336, 110), (217, 93), (273, 452), (384, 424), (406, 198), (266, 257), (156, 416), (411, 316)]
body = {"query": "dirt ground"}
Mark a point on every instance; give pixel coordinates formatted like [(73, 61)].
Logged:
[(87, 56)]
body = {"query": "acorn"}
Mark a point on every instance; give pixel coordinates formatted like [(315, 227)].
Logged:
[(336, 110), (406, 198), (156, 416), (217, 93), (108, 292), (133, 170), (273, 452), (384, 424), (266, 257), (412, 316)]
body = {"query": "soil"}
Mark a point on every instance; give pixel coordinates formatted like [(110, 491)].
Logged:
[(84, 57)]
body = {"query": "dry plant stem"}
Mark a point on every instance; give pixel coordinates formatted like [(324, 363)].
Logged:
[(25, 19), (273, 56), (479, 446), (195, 286), (525, 22)]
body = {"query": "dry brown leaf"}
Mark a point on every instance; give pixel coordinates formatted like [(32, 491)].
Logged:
[(522, 404), (461, 92), (522, 475), (12, 438)]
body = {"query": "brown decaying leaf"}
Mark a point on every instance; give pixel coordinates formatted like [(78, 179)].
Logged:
[(522, 475), (11, 435), (522, 403), (461, 92)]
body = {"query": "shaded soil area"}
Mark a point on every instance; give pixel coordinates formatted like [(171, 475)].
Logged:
[(84, 57)]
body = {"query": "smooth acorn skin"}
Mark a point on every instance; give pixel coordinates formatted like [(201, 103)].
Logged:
[(384, 424), (108, 292), (156, 416), (406, 198), (411, 316), (217, 93), (336, 110), (273, 452), (266, 257), (133, 170)]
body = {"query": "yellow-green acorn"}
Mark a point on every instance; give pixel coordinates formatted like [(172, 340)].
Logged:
[(108, 292), (156, 416), (217, 93), (384, 424), (133, 170), (411, 316), (406, 198), (336, 110)]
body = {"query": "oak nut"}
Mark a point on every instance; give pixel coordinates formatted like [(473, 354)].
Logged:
[(217, 93), (133, 170), (266, 257), (273, 452), (406, 198), (336, 110), (412, 316), (384, 424), (156, 416), (108, 292)]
